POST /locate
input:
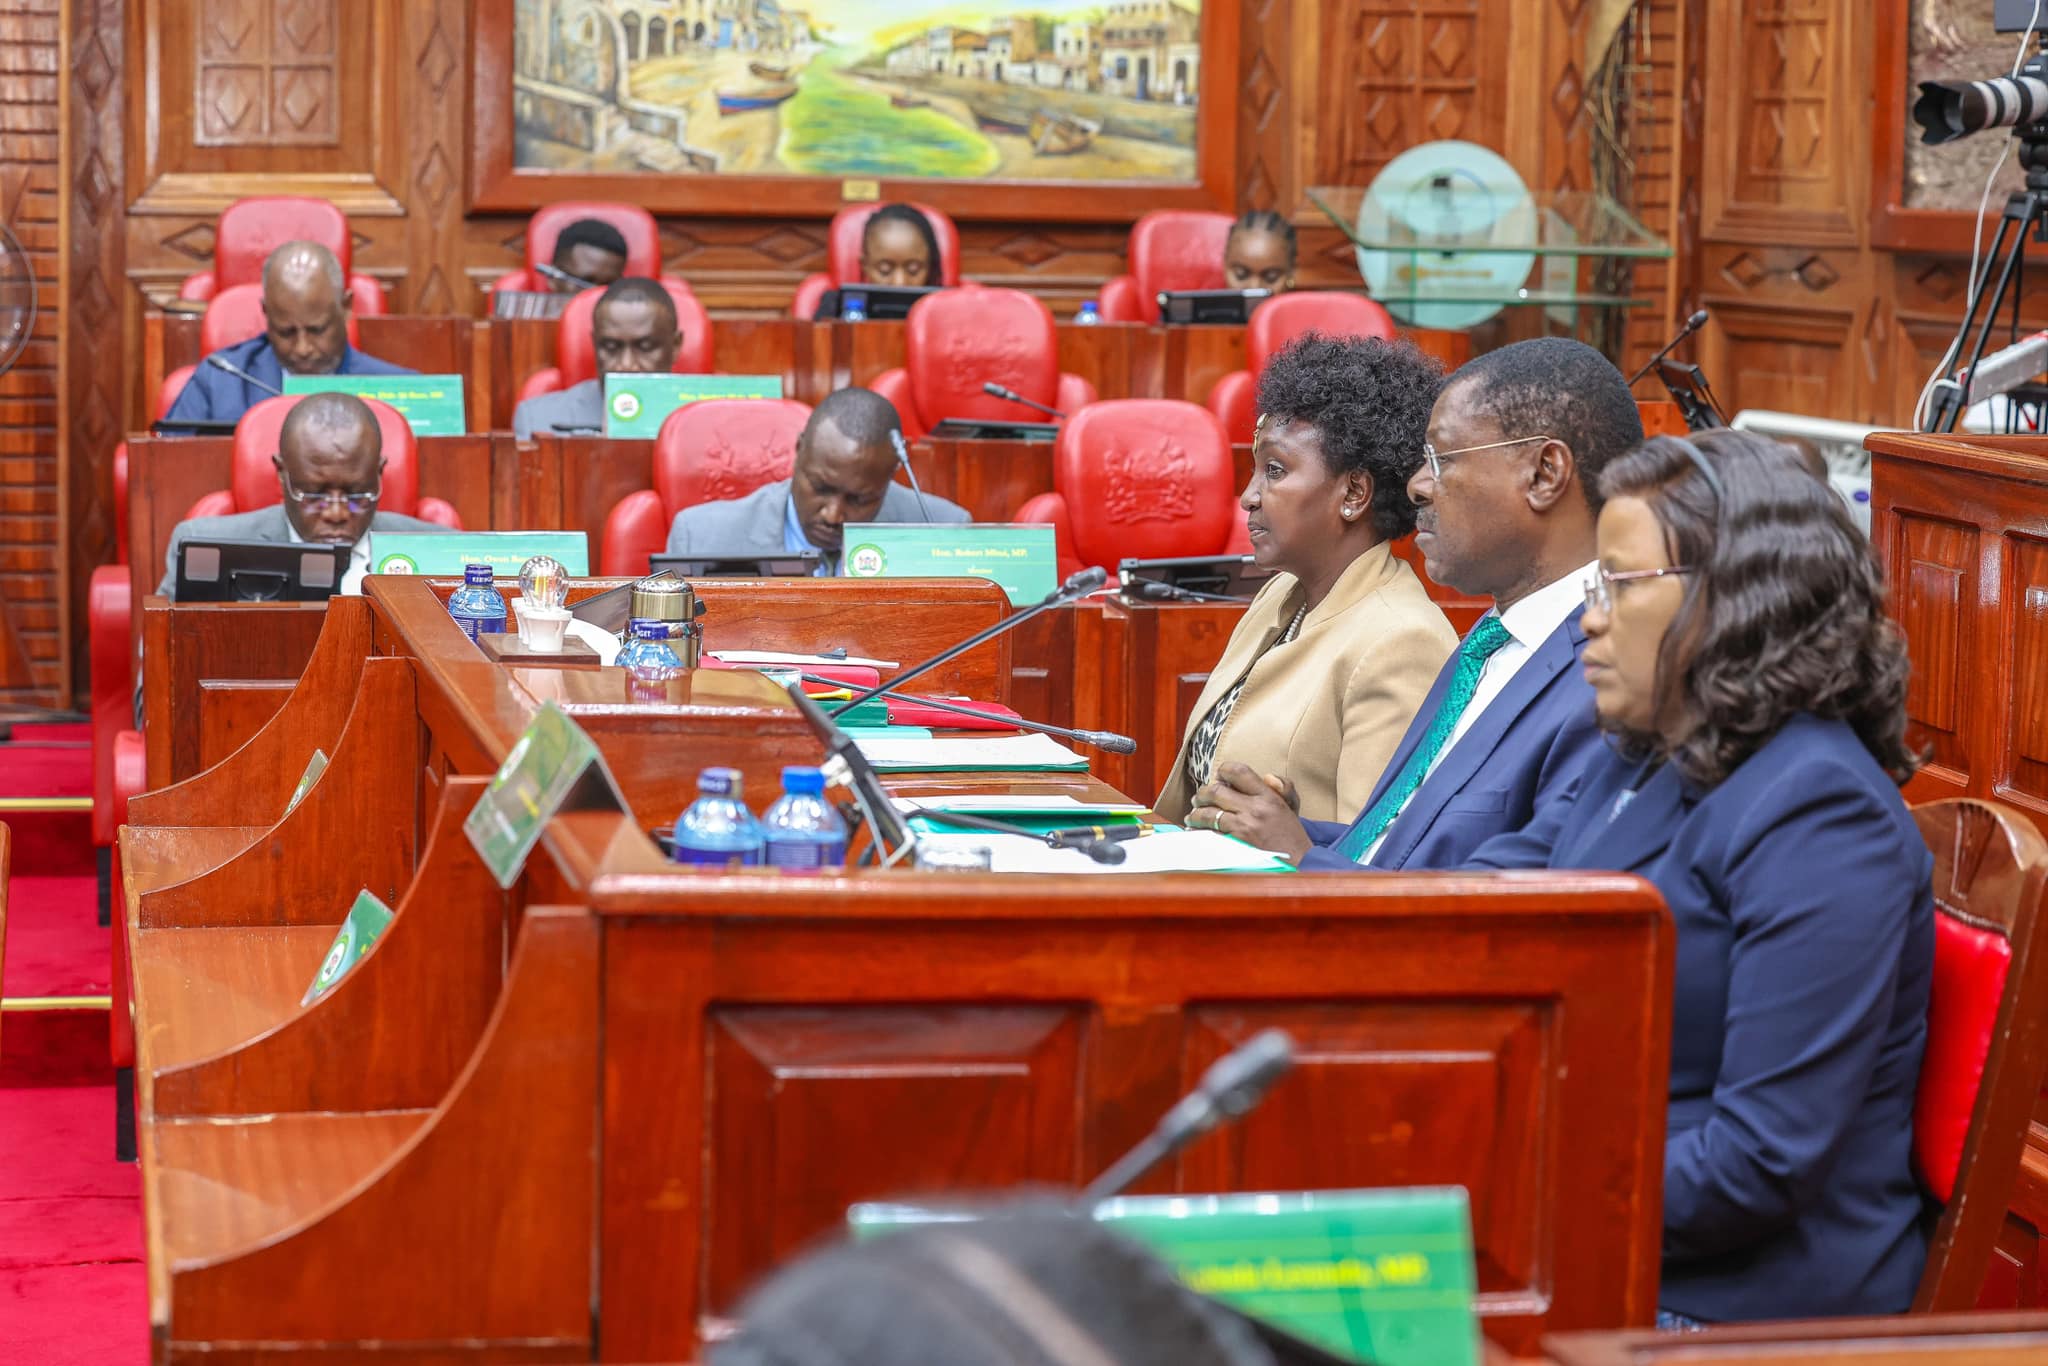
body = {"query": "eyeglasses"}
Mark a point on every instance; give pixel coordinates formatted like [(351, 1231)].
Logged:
[(356, 503), (1600, 588), (1436, 457)]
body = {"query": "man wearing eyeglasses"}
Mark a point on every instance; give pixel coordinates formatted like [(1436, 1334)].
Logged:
[(1506, 500), (330, 473)]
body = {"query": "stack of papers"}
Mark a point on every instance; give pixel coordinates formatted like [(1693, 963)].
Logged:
[(795, 658), (1163, 851), (1007, 753)]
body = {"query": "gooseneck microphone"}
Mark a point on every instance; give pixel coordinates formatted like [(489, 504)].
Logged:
[(550, 271), (1692, 325), (1155, 590), (1231, 1089), (1012, 396), (903, 459), (1078, 586), (1106, 740), (219, 362)]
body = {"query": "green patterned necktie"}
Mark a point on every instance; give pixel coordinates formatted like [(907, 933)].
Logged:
[(1489, 635)]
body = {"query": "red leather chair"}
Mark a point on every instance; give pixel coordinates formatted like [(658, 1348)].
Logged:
[(1279, 321), (250, 229), (635, 224), (1987, 1034), (1171, 249), (842, 254), (576, 357), (959, 339), (255, 478), (705, 453), (1138, 477)]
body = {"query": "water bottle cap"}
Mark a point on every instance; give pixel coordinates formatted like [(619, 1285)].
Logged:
[(478, 575), (800, 778), (1088, 306), (719, 782)]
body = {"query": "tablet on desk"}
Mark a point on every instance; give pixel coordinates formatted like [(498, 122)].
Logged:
[(259, 571), (977, 429), (1221, 576), (1180, 306), (800, 566), (880, 303)]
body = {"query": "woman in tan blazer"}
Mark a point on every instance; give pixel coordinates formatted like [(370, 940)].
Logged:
[(1333, 657)]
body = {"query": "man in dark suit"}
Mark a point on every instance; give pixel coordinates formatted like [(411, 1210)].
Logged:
[(845, 473), (305, 332), (1507, 505), (330, 469)]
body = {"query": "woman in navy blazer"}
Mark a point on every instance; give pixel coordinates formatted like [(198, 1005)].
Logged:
[(1755, 693)]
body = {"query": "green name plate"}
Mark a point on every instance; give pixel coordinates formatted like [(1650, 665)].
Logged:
[(537, 777), (360, 929), (315, 766), (430, 404), (1384, 1276), (1018, 556), (447, 552), (637, 405)]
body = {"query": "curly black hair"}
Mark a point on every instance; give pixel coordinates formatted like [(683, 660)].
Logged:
[(1786, 614), (1368, 401)]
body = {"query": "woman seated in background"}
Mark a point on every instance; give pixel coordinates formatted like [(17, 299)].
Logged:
[(1260, 253), (1019, 1289), (898, 247), (1329, 663), (1740, 658)]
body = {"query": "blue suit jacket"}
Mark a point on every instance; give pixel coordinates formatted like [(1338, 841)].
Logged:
[(213, 395), (1803, 899), (1525, 750)]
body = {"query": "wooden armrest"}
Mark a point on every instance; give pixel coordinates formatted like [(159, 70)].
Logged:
[(204, 991)]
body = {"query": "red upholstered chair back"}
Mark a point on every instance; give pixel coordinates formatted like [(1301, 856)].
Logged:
[(236, 314), (250, 229), (1176, 249), (1987, 1033), (635, 224), (725, 448), (1280, 320), (577, 359), (959, 339), (255, 478), (843, 250), (1147, 477)]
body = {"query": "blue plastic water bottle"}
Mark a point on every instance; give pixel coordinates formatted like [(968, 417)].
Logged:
[(717, 830), (1089, 316), (478, 608), (647, 648), (805, 832), (853, 309)]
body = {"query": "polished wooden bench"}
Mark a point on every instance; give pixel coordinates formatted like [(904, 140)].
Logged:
[(717, 1064)]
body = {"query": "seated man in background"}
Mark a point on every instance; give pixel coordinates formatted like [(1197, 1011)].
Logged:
[(330, 469), (633, 331), (845, 472), (1507, 498), (589, 254), (305, 332)]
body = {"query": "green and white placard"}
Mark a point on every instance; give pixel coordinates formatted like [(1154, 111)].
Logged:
[(637, 405), (430, 404), (553, 761), (1017, 555), (447, 552), (361, 928), (315, 766)]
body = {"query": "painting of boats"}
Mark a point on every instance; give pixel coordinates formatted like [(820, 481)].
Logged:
[(761, 97), (767, 72), (999, 120), (1054, 134), (905, 100)]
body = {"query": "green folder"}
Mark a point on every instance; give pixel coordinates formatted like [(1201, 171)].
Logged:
[(361, 928)]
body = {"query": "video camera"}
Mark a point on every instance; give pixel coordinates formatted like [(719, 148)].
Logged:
[(1947, 110)]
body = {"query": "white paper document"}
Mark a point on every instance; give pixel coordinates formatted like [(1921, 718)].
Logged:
[(1054, 804), (1036, 753), (790, 657), (1163, 851)]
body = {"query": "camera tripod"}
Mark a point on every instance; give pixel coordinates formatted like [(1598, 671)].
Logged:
[(2025, 215)]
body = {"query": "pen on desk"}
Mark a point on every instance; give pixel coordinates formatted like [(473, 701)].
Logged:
[(1081, 836)]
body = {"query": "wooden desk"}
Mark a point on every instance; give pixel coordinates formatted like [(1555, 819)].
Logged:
[(771, 1048), (1923, 1340)]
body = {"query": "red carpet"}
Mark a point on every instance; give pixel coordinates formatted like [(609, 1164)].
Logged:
[(71, 1282)]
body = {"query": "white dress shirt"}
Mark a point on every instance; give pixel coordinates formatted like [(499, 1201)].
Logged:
[(1529, 623), (358, 562)]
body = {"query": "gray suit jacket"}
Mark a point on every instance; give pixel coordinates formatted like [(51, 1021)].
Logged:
[(564, 411), (753, 525), (264, 524)]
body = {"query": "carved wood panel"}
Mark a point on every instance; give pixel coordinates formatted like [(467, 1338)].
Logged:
[(2026, 605), (1939, 574), (266, 74)]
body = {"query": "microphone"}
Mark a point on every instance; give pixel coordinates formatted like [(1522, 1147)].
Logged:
[(1231, 1089), (1692, 325), (1078, 586), (218, 362), (1106, 740), (991, 387), (549, 271), (1154, 590), (903, 459)]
